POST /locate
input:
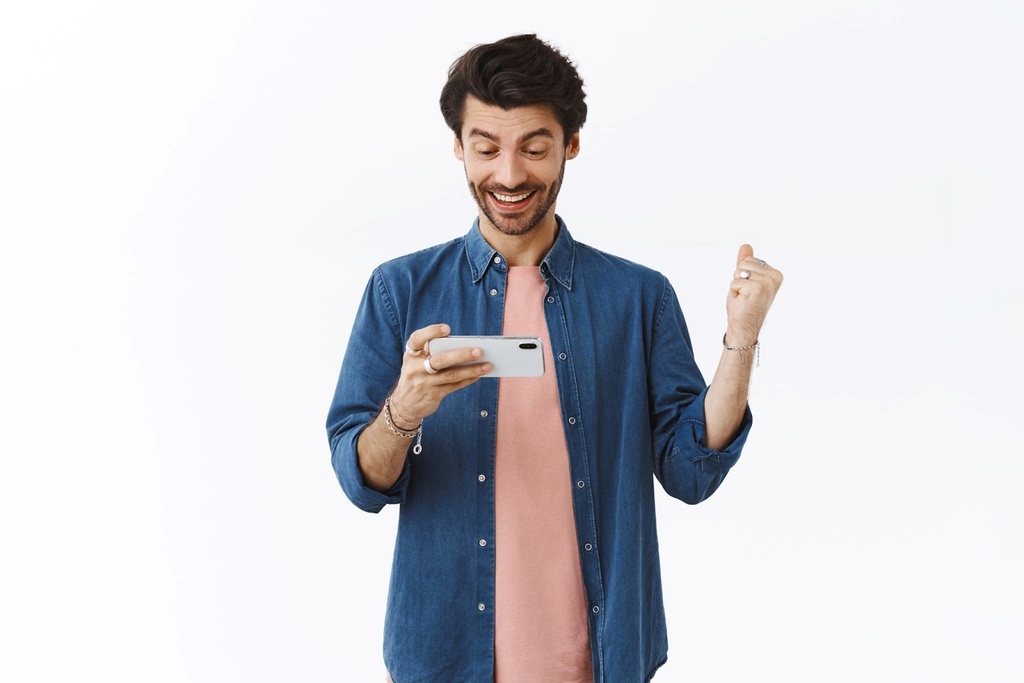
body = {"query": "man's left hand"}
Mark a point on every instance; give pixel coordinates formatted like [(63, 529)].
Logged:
[(751, 294)]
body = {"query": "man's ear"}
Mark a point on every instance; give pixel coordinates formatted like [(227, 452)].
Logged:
[(573, 148), (458, 149)]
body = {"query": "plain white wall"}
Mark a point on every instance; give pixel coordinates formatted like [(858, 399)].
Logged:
[(193, 194)]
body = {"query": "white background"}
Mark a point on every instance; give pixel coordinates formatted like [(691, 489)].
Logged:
[(193, 194)]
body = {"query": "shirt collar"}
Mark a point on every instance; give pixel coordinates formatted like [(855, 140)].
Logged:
[(558, 263)]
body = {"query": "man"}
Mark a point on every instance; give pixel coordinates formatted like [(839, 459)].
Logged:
[(527, 548)]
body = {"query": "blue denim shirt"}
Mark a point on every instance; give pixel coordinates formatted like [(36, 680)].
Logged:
[(632, 401)]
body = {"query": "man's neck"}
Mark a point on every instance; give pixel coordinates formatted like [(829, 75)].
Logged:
[(522, 250)]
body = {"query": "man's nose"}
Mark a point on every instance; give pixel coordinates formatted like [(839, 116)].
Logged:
[(511, 171)]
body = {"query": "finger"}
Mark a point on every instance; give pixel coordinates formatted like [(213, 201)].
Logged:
[(739, 287), (746, 251), (747, 272), (458, 374), (455, 386), (757, 279), (754, 262), (749, 279), (760, 272), (418, 339), (455, 358)]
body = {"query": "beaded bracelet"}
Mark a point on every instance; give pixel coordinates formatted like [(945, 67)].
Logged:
[(416, 433), (743, 349)]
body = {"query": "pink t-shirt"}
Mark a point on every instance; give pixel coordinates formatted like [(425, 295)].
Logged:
[(541, 632)]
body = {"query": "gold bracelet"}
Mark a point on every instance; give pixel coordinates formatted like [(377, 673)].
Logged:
[(394, 414), (743, 349), (404, 433)]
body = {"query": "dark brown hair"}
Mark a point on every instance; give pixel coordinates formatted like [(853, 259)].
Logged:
[(517, 71)]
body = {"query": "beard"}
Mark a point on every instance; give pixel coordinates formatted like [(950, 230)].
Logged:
[(523, 222)]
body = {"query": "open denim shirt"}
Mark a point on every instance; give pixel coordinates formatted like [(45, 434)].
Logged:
[(632, 401)]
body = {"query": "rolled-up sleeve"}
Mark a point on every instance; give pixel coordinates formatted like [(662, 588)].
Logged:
[(685, 466), (369, 371)]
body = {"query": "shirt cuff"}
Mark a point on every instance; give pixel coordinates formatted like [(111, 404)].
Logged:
[(345, 459)]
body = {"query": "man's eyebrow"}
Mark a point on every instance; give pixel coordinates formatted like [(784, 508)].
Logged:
[(476, 132), (540, 132)]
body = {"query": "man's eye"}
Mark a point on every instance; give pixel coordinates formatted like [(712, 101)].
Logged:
[(535, 152), (486, 152)]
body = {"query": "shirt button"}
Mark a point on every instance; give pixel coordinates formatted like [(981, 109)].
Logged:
[(572, 420), (494, 292), (483, 542), (481, 607), (551, 299), (483, 413), (588, 547), (562, 356), (481, 478), (580, 484), (596, 609), (497, 259)]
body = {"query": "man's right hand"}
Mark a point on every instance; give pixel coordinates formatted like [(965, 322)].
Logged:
[(419, 392), (380, 449)]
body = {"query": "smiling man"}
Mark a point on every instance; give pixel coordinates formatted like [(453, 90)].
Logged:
[(515, 192), (527, 548), (514, 161)]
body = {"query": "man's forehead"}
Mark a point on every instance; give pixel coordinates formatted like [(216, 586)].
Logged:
[(494, 123)]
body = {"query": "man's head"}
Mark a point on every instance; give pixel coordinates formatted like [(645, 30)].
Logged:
[(516, 107), (515, 72)]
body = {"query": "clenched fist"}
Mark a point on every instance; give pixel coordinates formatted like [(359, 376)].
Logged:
[(751, 293)]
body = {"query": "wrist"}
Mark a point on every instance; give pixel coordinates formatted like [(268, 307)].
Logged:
[(402, 422), (415, 432), (739, 340), (744, 350)]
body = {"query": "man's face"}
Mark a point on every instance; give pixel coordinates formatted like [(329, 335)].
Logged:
[(514, 163)]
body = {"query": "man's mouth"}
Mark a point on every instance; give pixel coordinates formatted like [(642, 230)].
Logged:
[(511, 199)]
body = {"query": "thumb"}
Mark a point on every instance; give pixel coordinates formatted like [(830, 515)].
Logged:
[(746, 251)]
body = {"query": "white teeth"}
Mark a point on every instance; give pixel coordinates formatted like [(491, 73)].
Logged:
[(510, 198)]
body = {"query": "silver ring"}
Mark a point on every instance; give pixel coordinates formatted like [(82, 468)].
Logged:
[(428, 367), (761, 263), (412, 352), (744, 274)]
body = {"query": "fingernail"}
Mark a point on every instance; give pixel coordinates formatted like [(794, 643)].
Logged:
[(445, 329), (477, 353), (485, 368)]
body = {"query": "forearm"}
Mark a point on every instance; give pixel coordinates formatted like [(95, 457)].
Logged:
[(381, 454), (726, 399)]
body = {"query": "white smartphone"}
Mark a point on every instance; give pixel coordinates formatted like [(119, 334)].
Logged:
[(509, 356)]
